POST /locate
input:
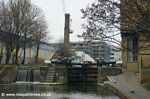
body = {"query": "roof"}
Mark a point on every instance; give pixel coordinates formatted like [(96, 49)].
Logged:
[(84, 56)]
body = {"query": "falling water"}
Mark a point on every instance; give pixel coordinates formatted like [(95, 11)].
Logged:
[(22, 75), (29, 76), (36, 75)]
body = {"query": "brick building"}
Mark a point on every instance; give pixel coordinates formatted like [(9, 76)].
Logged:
[(135, 24)]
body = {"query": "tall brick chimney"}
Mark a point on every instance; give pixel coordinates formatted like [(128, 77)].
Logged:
[(67, 29), (66, 35)]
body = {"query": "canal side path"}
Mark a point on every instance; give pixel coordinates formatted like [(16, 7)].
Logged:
[(128, 84)]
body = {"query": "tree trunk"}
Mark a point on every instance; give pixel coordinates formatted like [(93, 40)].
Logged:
[(16, 56), (8, 55), (24, 47), (1, 55), (24, 55), (1, 58), (37, 53)]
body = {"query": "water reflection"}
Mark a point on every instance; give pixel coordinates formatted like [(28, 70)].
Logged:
[(57, 92)]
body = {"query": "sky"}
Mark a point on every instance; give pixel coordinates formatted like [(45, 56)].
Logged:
[(54, 16)]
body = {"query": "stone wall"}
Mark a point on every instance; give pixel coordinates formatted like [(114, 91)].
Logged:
[(8, 74), (133, 66), (43, 73), (145, 75), (144, 68), (103, 72), (61, 74)]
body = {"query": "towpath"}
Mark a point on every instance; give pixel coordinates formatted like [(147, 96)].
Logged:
[(127, 82)]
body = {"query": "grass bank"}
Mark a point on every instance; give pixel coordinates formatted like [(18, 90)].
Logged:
[(147, 85)]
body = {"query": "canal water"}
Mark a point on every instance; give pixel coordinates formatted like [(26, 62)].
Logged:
[(35, 91)]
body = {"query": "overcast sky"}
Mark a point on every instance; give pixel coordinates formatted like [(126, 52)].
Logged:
[(54, 15)]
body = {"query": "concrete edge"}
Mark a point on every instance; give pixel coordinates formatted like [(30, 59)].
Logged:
[(50, 83), (114, 89), (117, 91), (40, 83)]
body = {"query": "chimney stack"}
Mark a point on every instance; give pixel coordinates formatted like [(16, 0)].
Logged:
[(66, 34), (67, 29)]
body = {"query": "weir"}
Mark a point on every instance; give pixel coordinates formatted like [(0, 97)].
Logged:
[(22, 75), (36, 77), (28, 75)]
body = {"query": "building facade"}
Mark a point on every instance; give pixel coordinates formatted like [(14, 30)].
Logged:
[(106, 49), (46, 51), (97, 49), (135, 37)]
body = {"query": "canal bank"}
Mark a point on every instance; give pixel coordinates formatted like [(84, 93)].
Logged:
[(82, 91), (8, 74), (60, 76), (31, 74), (127, 85), (104, 74), (114, 90)]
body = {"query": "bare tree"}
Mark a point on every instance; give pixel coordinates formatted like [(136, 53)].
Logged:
[(106, 21), (17, 19), (5, 24), (103, 20), (39, 34), (62, 52), (32, 27)]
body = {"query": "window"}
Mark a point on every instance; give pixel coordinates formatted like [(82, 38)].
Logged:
[(132, 49), (111, 57), (46, 55), (112, 53)]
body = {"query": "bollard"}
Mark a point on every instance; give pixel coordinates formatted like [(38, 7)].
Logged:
[(69, 62), (97, 62)]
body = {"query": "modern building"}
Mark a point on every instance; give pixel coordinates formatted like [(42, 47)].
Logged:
[(97, 49), (91, 48), (115, 54), (78, 46), (46, 51), (106, 49)]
